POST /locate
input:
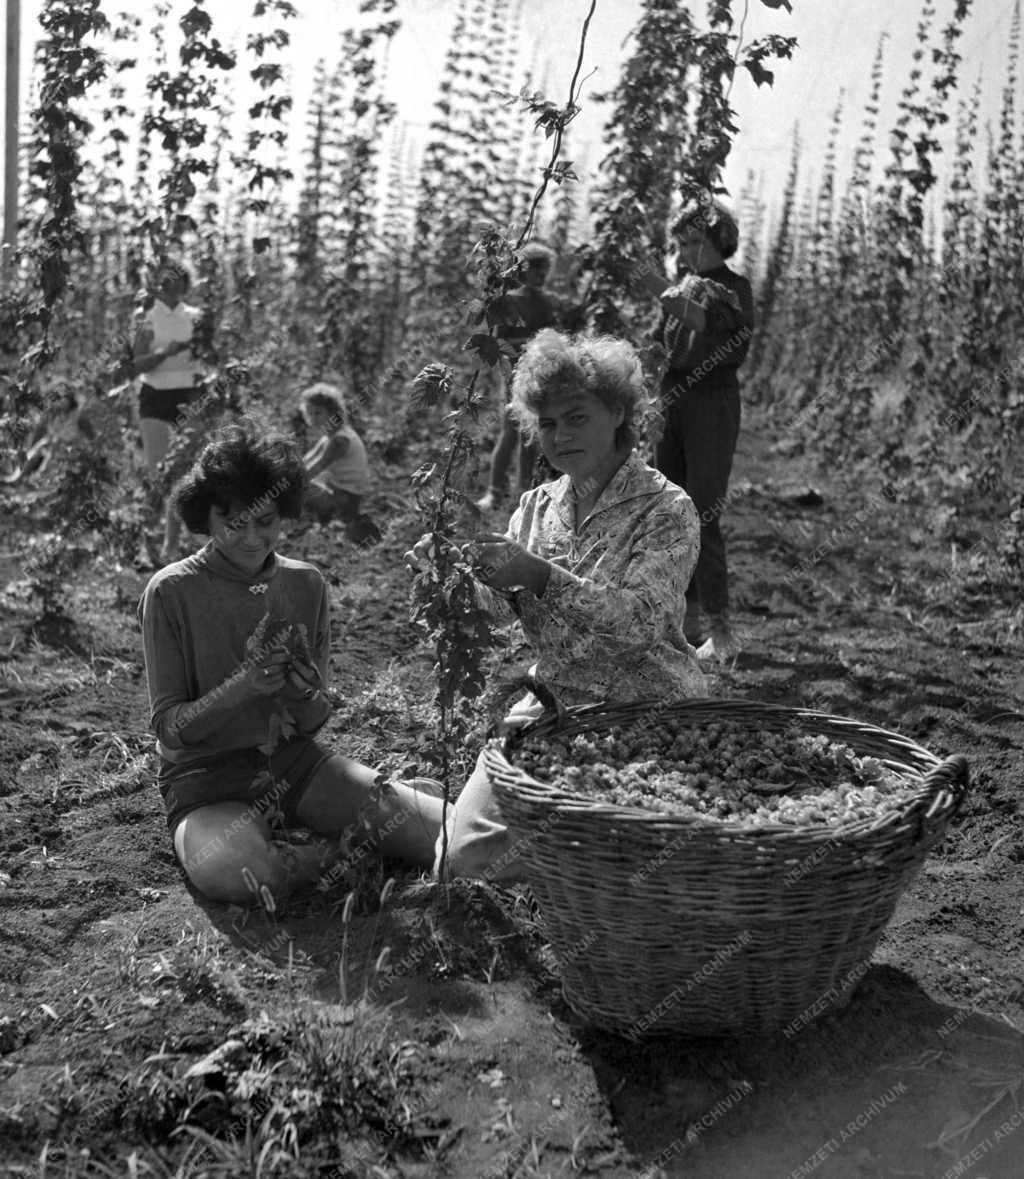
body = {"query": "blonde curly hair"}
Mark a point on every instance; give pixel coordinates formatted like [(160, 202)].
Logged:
[(554, 363)]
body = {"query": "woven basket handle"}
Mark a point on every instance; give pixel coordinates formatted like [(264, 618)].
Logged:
[(553, 707), (949, 777)]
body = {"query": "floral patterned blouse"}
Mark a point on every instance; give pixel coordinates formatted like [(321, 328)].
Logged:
[(609, 625)]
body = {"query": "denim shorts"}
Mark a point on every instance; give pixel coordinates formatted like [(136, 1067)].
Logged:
[(241, 776)]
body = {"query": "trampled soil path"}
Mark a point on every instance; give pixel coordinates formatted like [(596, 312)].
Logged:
[(112, 976)]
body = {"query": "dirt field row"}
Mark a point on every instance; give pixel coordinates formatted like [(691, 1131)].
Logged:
[(128, 1008)]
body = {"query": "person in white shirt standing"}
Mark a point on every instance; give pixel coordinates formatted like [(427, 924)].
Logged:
[(163, 356)]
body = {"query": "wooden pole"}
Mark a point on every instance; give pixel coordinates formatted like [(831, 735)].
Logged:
[(11, 136)]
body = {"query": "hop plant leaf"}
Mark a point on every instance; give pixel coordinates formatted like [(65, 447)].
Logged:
[(760, 75), (486, 347), (423, 474), (280, 727), (255, 640), (431, 385)]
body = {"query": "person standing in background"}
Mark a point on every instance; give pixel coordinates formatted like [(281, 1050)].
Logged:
[(706, 326), (519, 314), (163, 357)]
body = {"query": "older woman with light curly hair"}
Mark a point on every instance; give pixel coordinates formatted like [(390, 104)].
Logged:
[(594, 564)]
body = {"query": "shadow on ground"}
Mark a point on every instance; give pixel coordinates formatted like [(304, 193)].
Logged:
[(894, 1085)]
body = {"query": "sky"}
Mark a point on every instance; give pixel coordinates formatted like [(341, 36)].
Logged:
[(837, 40)]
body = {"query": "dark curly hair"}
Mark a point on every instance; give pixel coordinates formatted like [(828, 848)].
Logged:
[(242, 465), (325, 396), (715, 220)]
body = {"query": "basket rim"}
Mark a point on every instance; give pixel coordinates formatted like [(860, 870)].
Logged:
[(930, 798)]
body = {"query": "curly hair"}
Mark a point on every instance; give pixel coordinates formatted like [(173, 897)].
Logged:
[(715, 220), (241, 465), (325, 396), (554, 363)]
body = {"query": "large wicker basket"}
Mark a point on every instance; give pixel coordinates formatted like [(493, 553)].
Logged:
[(665, 924)]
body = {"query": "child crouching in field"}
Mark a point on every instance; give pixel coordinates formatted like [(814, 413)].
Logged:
[(336, 463), (236, 641)]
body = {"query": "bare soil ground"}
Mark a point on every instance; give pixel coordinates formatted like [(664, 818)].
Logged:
[(135, 1020)]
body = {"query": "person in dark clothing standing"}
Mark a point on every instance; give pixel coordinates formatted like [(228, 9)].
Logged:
[(706, 325), (520, 314)]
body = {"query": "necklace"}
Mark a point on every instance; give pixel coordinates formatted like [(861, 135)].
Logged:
[(259, 588)]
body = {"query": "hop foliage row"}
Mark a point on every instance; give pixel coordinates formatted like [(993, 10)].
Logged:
[(136, 152), (873, 287), (361, 266), (891, 327)]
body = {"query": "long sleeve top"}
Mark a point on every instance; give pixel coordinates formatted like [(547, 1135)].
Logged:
[(609, 625), (196, 616), (714, 354)]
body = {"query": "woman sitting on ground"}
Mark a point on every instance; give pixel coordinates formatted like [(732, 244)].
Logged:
[(336, 463), (236, 641), (595, 564)]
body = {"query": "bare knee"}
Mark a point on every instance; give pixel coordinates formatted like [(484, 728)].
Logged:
[(228, 859), (243, 878)]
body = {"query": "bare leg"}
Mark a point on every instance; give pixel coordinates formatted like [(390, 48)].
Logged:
[(403, 822), (156, 441), (227, 852), (501, 460)]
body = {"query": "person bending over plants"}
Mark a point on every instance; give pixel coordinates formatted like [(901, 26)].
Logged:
[(236, 642), (706, 325), (594, 564)]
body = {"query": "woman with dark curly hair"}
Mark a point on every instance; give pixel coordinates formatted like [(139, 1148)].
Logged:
[(236, 641), (594, 565)]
